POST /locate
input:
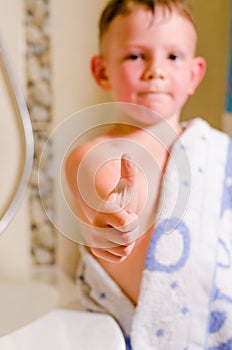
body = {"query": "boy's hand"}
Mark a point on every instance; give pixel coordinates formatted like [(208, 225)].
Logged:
[(117, 220)]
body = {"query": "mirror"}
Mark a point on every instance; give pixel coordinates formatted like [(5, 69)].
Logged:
[(15, 170)]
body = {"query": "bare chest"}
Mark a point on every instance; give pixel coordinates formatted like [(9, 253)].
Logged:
[(128, 274)]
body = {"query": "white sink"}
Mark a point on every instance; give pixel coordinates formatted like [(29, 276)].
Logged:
[(21, 303), (67, 329), (26, 297)]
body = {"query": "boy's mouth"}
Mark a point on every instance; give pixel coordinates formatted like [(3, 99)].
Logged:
[(152, 93)]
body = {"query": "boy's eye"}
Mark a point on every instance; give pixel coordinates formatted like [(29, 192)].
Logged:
[(135, 57), (174, 57)]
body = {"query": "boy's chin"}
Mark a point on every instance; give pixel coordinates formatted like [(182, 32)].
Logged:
[(139, 114)]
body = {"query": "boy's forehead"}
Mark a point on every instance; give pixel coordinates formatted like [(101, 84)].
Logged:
[(141, 20)]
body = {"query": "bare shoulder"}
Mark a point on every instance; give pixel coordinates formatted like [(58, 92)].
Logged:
[(73, 160)]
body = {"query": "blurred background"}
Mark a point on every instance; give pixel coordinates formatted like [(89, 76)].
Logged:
[(49, 44)]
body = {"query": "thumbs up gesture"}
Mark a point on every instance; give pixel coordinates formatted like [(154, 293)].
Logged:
[(117, 218)]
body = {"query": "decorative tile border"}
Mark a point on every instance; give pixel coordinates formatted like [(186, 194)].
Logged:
[(39, 97)]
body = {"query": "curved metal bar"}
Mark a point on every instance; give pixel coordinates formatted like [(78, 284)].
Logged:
[(25, 123)]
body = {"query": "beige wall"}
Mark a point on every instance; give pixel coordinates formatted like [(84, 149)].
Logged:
[(74, 26), (15, 241), (212, 18)]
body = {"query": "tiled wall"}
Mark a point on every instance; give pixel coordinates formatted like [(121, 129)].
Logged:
[(39, 97)]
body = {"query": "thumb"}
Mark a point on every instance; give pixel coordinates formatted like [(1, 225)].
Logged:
[(128, 170), (127, 185)]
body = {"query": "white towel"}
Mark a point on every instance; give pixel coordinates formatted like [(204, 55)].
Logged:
[(185, 300)]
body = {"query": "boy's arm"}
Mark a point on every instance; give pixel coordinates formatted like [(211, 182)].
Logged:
[(111, 229)]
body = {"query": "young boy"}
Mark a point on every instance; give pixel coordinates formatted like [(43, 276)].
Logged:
[(153, 227)]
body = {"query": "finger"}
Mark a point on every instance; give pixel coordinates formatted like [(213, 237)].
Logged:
[(108, 238), (122, 250), (114, 255), (124, 238), (122, 221), (105, 255)]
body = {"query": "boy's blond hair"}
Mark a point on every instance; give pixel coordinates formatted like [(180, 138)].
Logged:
[(125, 7)]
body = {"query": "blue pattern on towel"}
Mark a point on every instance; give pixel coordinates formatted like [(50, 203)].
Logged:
[(224, 346), (219, 314), (227, 190), (165, 228), (128, 343)]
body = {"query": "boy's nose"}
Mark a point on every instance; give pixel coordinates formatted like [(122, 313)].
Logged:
[(154, 72)]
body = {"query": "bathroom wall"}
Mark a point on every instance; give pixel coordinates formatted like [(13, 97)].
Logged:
[(227, 116), (74, 25), (212, 19), (74, 40), (15, 241)]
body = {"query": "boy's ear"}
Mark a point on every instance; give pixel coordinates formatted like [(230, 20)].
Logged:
[(198, 72), (98, 68)]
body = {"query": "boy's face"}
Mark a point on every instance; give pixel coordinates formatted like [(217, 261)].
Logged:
[(150, 61)]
